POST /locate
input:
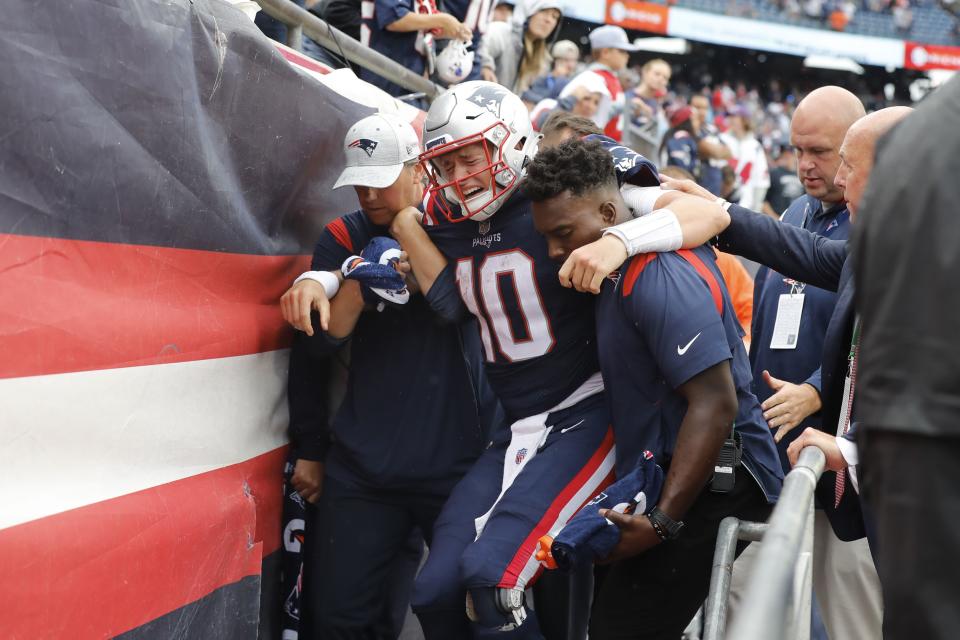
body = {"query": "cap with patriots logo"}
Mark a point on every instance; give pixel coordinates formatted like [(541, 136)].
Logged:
[(377, 147)]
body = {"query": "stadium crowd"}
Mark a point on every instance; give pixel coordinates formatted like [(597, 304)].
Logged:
[(535, 426)]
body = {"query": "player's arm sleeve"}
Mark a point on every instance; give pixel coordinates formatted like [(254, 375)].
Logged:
[(814, 380), (307, 381), (389, 11), (444, 297), (339, 241), (675, 312), (794, 252), (336, 244)]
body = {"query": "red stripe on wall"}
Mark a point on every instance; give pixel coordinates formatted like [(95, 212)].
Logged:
[(70, 305), (114, 565)]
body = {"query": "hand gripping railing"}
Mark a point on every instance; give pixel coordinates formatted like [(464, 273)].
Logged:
[(777, 599), (300, 21)]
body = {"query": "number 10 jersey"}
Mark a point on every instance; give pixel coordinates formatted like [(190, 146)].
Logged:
[(539, 339)]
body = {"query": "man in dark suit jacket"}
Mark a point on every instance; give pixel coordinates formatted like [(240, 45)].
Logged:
[(907, 265)]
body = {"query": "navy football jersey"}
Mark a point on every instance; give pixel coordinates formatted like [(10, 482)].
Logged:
[(661, 320), (417, 408), (538, 337)]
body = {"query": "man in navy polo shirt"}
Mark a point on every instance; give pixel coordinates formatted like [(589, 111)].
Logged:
[(678, 381)]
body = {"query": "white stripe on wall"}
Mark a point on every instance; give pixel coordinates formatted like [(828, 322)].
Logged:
[(69, 440)]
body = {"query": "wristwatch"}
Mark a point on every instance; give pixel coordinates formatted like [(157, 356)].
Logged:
[(666, 527)]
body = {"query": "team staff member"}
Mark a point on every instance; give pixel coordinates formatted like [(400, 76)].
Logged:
[(412, 420), (677, 380), (789, 323)]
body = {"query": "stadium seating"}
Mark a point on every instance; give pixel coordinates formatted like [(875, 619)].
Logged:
[(931, 24)]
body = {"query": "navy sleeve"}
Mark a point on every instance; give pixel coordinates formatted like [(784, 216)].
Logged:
[(794, 252), (674, 310), (631, 167), (444, 297), (389, 11), (814, 380), (307, 380), (339, 241)]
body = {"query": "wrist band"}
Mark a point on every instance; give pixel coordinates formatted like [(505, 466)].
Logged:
[(329, 281), (657, 232)]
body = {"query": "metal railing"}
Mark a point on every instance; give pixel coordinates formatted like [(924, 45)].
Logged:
[(301, 22), (732, 530), (778, 593)]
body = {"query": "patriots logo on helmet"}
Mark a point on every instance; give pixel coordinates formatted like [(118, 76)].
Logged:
[(520, 455), (364, 144), (489, 97)]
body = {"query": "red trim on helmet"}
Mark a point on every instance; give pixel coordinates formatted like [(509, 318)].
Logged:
[(495, 167)]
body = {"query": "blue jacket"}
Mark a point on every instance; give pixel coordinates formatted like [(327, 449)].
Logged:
[(819, 261), (803, 363)]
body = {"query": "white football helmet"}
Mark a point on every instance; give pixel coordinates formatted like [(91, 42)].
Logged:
[(472, 112), (455, 62)]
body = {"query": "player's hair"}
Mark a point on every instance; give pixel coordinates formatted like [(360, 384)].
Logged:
[(576, 165), (560, 120)]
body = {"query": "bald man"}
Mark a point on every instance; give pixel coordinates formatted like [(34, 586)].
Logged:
[(790, 319)]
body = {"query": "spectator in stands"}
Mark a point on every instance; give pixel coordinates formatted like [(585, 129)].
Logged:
[(344, 15), (583, 100), (503, 12), (785, 186), (276, 30), (679, 147), (648, 121), (729, 185), (610, 49), (838, 19), (566, 57), (748, 157), (562, 125), (902, 16), (395, 29), (713, 153), (516, 53)]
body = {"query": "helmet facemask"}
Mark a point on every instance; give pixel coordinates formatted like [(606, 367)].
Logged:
[(469, 113), (503, 179)]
